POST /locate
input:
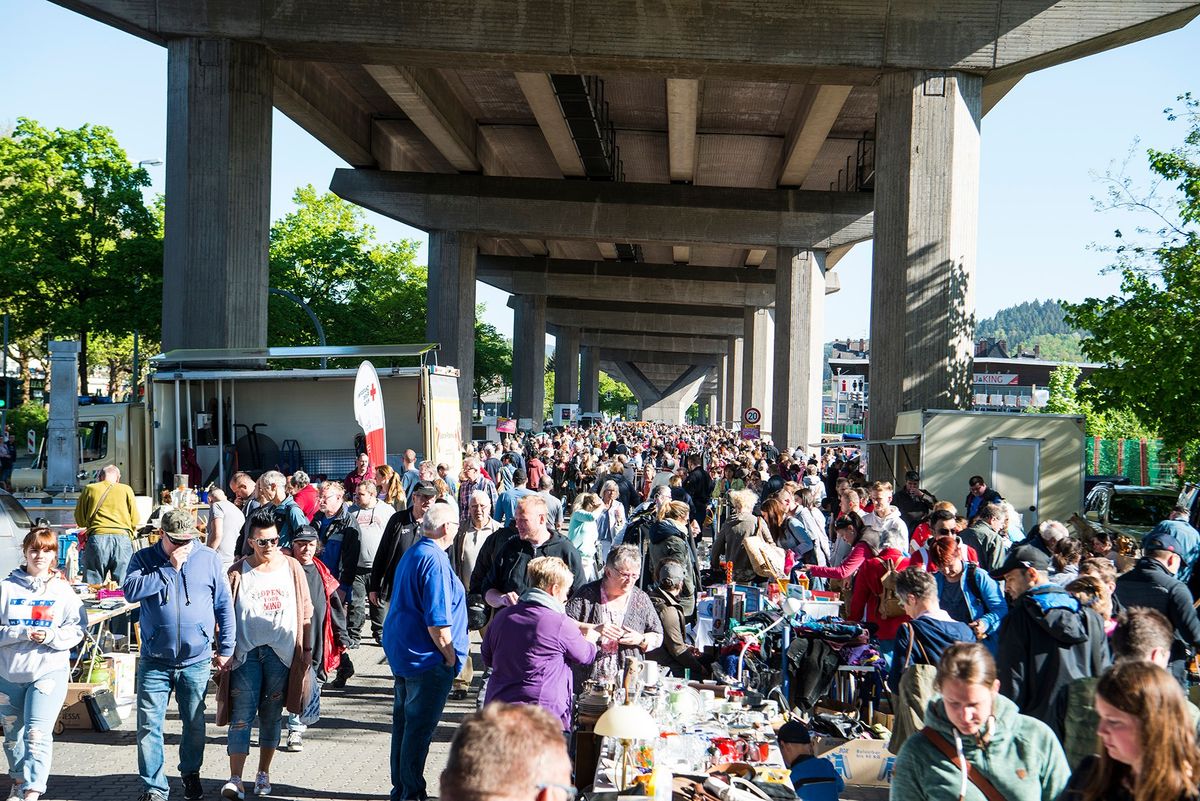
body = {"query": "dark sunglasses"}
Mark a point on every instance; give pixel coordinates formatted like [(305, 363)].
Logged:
[(265, 541)]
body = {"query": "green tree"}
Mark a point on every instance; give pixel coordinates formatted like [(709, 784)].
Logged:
[(615, 396), (82, 253), (493, 357), (1069, 395), (362, 291), (1145, 336)]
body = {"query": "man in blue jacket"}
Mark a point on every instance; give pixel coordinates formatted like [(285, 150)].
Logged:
[(185, 604)]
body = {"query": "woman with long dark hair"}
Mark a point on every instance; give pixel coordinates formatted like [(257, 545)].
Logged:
[(1147, 740)]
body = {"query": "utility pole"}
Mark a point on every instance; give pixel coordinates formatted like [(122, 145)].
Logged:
[(7, 385)]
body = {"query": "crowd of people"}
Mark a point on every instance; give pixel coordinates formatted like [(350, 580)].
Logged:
[(1021, 664)]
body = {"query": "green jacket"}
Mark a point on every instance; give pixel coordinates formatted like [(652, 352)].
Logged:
[(105, 508), (1023, 760)]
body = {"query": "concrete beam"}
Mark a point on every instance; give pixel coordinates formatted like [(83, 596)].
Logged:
[(763, 40), (318, 99), (640, 307), (544, 105), (698, 346), (679, 324), (601, 280), (681, 254), (658, 357), (818, 112), (675, 400), (683, 107), (426, 98), (639, 383), (604, 211)]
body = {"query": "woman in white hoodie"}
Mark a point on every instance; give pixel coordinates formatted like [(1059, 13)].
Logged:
[(41, 622)]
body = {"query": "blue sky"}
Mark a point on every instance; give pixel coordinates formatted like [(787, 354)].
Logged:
[(1042, 147)]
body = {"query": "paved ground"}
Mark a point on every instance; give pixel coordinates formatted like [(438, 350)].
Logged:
[(345, 757)]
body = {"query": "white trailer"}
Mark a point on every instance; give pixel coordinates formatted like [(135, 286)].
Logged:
[(1036, 461)]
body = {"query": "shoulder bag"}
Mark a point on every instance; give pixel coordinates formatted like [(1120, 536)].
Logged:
[(766, 558), (973, 775)]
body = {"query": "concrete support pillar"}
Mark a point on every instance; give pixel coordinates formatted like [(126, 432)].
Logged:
[(799, 354), (722, 390), (62, 429), (566, 365), (589, 381), (669, 405), (218, 173), (529, 360), (733, 382), (926, 223), (450, 319), (758, 363), (713, 414)]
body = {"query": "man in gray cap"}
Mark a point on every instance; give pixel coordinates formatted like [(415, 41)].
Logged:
[(403, 530), (185, 603), (814, 778)]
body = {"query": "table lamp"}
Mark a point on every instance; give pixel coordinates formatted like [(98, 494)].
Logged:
[(626, 722), (790, 607)]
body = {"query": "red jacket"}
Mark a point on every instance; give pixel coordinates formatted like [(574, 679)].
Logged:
[(868, 586), (332, 653), (306, 499)]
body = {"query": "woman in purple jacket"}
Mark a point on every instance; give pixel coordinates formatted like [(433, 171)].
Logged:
[(531, 645)]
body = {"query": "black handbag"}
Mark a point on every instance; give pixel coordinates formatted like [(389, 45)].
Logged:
[(102, 709)]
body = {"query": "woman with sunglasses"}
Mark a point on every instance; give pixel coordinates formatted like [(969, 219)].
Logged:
[(273, 610), (41, 624)]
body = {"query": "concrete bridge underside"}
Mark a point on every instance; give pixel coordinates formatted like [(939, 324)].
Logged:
[(641, 184)]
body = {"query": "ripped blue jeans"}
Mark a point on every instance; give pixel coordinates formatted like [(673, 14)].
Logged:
[(258, 685), (28, 711)]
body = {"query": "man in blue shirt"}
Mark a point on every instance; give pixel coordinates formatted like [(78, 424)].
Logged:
[(506, 505), (1188, 538), (425, 639), (814, 778)]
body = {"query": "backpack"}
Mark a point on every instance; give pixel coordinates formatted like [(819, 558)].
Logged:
[(890, 604)]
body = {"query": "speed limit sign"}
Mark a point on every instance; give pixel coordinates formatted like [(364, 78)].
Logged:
[(751, 416)]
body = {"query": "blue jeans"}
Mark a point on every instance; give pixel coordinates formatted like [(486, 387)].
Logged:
[(156, 680), (419, 701), (106, 553), (28, 711), (257, 685)]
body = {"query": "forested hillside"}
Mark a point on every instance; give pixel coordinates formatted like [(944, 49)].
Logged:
[(1034, 324)]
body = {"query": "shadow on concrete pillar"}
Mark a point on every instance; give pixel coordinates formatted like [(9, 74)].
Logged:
[(218, 188), (799, 351), (758, 363), (450, 317), (529, 360), (926, 226)]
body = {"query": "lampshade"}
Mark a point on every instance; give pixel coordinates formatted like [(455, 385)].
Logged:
[(627, 722)]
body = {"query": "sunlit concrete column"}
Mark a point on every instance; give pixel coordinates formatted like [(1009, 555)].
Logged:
[(589, 379), (713, 414), (566, 365), (926, 224), (62, 429), (758, 363), (799, 354), (733, 381), (218, 193), (529, 360), (719, 413), (450, 318)]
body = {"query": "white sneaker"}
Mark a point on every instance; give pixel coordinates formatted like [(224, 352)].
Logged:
[(295, 742), (232, 789), (17, 791), (262, 784)]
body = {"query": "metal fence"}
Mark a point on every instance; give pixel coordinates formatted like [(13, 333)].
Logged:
[(1143, 461)]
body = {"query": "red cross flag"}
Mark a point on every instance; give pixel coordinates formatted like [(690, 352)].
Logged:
[(368, 412)]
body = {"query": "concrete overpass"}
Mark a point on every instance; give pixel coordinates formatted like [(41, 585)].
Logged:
[(748, 136)]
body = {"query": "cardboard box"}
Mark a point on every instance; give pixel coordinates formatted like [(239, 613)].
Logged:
[(861, 762), (74, 713)]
